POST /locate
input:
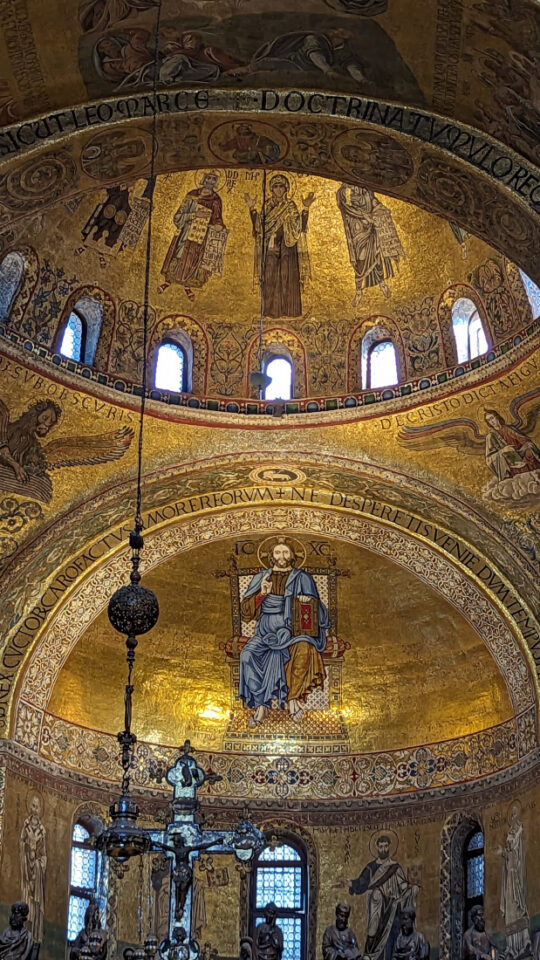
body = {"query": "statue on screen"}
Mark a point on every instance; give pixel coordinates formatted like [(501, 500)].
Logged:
[(477, 944), (339, 941), (410, 944), (16, 941), (268, 936)]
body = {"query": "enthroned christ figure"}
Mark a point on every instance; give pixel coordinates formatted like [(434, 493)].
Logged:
[(282, 662)]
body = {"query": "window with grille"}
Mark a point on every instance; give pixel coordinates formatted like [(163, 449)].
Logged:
[(171, 368), (73, 338), (280, 371), (11, 274), (468, 330), (280, 877), (83, 878), (474, 870)]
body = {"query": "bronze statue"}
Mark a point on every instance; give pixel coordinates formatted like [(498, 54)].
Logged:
[(183, 872), (268, 936), (339, 941), (246, 948), (477, 944), (16, 941), (92, 935), (176, 948), (410, 945)]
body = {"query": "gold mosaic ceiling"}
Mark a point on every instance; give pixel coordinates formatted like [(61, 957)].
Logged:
[(397, 655)]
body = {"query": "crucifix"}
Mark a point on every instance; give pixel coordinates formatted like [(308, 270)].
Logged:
[(182, 840)]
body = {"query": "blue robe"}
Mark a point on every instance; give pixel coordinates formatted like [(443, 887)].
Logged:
[(263, 659)]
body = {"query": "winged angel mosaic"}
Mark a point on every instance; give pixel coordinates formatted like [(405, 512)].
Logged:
[(510, 453), (26, 462)]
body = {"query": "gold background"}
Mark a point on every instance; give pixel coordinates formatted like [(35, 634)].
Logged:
[(394, 694)]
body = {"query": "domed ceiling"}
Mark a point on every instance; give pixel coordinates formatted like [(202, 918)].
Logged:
[(361, 259)]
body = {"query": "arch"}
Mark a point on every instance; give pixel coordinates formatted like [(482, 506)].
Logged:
[(290, 830), (438, 571), (277, 341), (447, 299), (277, 361), (469, 334), (524, 285), (190, 337), (74, 336), (26, 285), (284, 857), (455, 833), (367, 334), (493, 209), (96, 309), (85, 870)]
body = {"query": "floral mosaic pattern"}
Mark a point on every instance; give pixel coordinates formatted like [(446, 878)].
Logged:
[(352, 776)]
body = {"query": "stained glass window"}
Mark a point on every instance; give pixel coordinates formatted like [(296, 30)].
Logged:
[(281, 372), (84, 878), (72, 339), (11, 273), (533, 293), (474, 870), (280, 877), (171, 368), (469, 334), (382, 365)]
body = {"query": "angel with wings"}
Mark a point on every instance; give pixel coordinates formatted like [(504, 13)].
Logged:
[(508, 448), (25, 462)]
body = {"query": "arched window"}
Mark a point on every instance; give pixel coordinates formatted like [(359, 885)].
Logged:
[(379, 359), (474, 870), (171, 367), (280, 876), (533, 293), (80, 335), (280, 371), (468, 330), (73, 337), (84, 875), (11, 274)]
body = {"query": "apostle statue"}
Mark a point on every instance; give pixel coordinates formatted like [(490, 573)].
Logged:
[(33, 859), (197, 250), (281, 255), (268, 936), (282, 662), (410, 945), (339, 941), (477, 944), (92, 934), (388, 892), (16, 941)]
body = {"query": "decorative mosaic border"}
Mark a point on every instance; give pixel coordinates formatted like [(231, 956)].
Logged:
[(246, 406), (416, 806), (341, 777)]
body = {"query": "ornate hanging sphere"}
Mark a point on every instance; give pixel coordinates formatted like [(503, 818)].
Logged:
[(133, 609)]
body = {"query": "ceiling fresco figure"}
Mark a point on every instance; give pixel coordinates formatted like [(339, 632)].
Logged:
[(197, 251), (281, 664), (375, 249), (511, 454), (25, 463), (99, 14), (282, 265), (328, 52), (284, 45)]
